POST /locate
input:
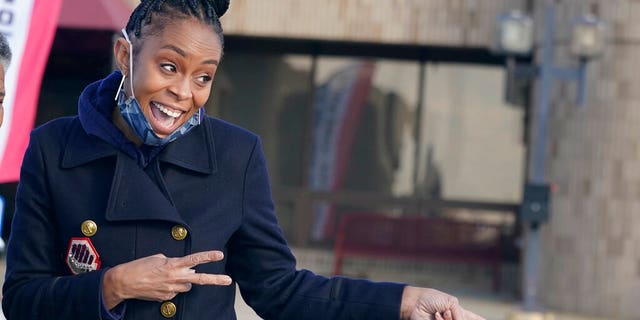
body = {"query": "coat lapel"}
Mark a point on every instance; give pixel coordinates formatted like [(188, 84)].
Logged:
[(83, 148), (134, 196), (195, 151)]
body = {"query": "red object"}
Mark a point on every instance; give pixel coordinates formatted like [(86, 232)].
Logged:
[(355, 108), (417, 238), (31, 66), (82, 256), (94, 14), (43, 19)]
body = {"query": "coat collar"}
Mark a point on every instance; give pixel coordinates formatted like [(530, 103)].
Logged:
[(82, 148), (195, 151)]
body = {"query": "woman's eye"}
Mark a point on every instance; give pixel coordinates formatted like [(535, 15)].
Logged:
[(204, 79), (169, 67)]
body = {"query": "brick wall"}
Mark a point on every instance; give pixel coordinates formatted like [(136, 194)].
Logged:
[(443, 22), (591, 250)]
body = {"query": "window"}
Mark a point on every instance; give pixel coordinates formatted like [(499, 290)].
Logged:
[(346, 133), (472, 140)]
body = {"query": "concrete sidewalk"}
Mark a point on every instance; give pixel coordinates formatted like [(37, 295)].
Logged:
[(490, 307)]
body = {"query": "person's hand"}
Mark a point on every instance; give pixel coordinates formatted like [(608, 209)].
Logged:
[(158, 278), (430, 304)]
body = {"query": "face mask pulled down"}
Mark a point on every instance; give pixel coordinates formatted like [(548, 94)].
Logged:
[(134, 117)]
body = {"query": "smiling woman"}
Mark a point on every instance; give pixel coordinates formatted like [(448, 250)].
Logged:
[(172, 80), (143, 207)]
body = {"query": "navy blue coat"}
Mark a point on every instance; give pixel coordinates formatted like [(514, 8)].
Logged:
[(213, 181)]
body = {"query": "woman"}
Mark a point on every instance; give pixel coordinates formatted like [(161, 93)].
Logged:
[(146, 208), (5, 59)]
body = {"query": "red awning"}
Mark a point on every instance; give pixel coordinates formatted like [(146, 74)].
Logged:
[(94, 14)]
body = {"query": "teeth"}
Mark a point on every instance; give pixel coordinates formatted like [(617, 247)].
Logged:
[(173, 114)]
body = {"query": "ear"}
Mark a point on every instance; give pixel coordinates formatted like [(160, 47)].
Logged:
[(121, 51)]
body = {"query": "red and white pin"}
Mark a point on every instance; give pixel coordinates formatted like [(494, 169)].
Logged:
[(82, 256)]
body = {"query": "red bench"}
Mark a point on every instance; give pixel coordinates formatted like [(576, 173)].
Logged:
[(418, 238)]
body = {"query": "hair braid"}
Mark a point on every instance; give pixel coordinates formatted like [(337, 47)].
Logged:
[(210, 11), (193, 5), (158, 5), (135, 23), (165, 11)]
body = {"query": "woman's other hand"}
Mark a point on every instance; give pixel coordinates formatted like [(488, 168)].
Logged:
[(429, 304)]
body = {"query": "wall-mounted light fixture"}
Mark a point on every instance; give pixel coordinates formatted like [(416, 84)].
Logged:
[(587, 37), (515, 33), (515, 37)]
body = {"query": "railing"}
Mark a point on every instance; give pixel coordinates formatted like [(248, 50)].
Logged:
[(303, 199)]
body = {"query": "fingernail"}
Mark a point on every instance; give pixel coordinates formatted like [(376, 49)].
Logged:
[(217, 255)]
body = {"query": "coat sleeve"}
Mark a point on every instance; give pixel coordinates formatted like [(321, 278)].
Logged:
[(264, 267), (37, 286)]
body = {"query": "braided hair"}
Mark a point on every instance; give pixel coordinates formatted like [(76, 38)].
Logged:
[(158, 13)]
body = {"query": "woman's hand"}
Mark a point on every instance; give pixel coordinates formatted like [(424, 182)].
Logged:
[(158, 278), (430, 304)]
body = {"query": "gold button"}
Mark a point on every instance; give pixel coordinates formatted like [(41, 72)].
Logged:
[(89, 228), (168, 309), (179, 232)]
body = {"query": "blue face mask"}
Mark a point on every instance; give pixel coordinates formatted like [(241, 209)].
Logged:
[(134, 117)]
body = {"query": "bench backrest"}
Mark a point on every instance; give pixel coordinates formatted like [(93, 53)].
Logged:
[(414, 234)]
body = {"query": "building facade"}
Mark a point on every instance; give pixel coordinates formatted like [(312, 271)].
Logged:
[(590, 259), (591, 256)]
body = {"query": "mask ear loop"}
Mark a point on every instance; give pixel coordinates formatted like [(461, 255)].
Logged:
[(133, 95), (120, 87)]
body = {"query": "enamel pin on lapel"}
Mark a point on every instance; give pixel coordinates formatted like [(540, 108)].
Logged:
[(82, 256)]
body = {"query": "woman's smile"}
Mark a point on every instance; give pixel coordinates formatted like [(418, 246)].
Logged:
[(164, 116)]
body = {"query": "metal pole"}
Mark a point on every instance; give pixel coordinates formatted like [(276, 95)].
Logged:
[(582, 83), (543, 100), (539, 153), (417, 132)]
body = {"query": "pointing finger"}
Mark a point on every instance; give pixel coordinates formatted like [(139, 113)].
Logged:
[(197, 258)]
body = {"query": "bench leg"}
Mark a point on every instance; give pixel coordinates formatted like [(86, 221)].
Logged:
[(337, 264), (497, 277)]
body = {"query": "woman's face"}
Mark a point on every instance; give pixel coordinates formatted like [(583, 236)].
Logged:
[(172, 72)]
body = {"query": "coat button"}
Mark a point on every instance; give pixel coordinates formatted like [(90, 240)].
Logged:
[(179, 232), (168, 309), (89, 228)]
